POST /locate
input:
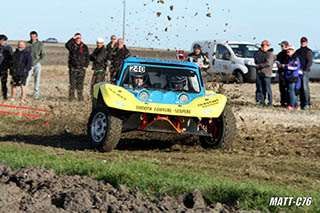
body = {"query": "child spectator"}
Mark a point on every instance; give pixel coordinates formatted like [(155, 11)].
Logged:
[(293, 75)]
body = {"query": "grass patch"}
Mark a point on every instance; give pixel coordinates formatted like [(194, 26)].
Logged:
[(150, 178)]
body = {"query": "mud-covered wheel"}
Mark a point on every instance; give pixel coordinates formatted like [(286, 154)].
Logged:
[(223, 131), (240, 77), (104, 130)]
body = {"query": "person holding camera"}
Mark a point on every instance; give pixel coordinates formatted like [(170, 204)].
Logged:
[(283, 58), (78, 63)]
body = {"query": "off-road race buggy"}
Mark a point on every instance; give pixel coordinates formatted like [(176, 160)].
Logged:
[(160, 96)]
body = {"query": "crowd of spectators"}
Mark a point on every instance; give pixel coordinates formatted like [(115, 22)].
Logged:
[(26, 61)]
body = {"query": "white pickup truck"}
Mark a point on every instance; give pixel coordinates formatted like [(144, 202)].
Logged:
[(232, 57)]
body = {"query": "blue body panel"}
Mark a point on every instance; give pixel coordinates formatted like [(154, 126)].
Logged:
[(164, 97)]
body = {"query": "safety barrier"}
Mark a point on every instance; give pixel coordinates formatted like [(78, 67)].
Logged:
[(47, 113)]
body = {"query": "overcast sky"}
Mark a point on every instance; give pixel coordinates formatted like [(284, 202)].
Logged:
[(148, 24)]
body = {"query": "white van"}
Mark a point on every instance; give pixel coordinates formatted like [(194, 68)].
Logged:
[(232, 57)]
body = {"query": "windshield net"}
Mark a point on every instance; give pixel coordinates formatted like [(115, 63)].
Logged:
[(160, 78), (244, 50)]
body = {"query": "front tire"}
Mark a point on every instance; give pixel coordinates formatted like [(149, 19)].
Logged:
[(223, 130), (104, 130), (240, 77)]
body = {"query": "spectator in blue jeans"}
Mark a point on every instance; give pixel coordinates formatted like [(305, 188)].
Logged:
[(305, 56), (294, 77), (38, 54), (264, 61)]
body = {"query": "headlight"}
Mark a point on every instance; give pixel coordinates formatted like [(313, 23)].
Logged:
[(144, 95), (183, 98), (249, 62)]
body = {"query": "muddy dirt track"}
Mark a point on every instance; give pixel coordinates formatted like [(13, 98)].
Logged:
[(38, 190), (273, 145)]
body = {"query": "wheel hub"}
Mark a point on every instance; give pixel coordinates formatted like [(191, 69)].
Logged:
[(99, 127)]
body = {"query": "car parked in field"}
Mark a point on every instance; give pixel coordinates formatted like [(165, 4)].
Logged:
[(50, 40), (315, 68), (233, 57), (159, 96)]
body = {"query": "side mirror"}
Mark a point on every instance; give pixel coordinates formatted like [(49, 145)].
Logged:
[(316, 61), (213, 58)]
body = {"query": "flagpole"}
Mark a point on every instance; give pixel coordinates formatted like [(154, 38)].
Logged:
[(124, 20)]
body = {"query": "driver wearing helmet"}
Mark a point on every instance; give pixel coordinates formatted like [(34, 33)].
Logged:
[(138, 80), (178, 83)]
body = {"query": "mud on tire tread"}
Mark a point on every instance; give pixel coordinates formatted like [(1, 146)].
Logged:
[(229, 131), (114, 134), (230, 128), (240, 77), (114, 128)]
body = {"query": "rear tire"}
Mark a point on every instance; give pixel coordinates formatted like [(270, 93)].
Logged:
[(225, 129), (240, 77), (104, 130)]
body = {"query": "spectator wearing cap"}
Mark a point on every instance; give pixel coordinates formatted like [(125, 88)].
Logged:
[(5, 63), (78, 63), (21, 66), (111, 50), (38, 54), (198, 57), (305, 56), (283, 58), (264, 59), (293, 76), (98, 63)]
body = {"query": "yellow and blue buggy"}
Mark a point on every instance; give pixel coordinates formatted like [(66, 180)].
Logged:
[(159, 96)]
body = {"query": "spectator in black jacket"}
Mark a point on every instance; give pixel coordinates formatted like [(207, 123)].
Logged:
[(201, 59), (98, 64), (21, 65), (283, 58), (111, 50), (78, 63), (122, 53), (305, 56), (264, 59), (5, 62)]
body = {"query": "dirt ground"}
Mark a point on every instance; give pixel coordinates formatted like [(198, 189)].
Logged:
[(39, 190), (273, 145)]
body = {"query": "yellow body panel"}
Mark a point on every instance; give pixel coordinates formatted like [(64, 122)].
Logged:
[(119, 98)]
